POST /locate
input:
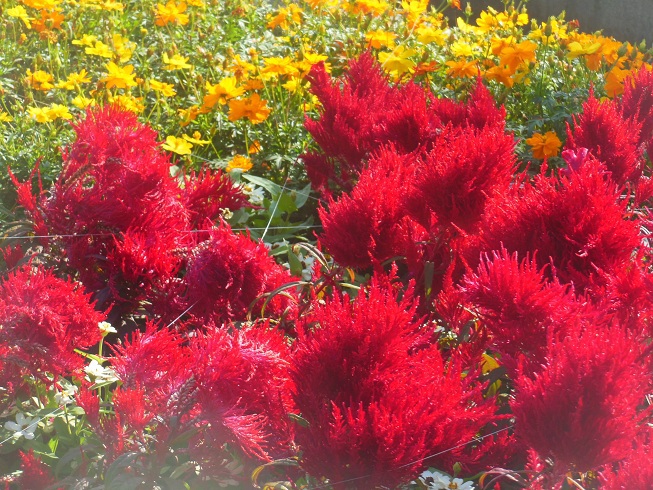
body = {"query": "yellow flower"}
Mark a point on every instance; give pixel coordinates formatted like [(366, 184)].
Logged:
[(576, 49), (123, 47), (226, 89), (86, 40), (462, 49), (19, 12), (488, 21), (127, 102), (188, 115), (196, 139), (426, 35), (196, 3), (309, 59), (377, 39), (544, 146), (165, 89), (255, 147), (414, 9), (99, 49), (239, 162), (374, 7), (58, 111), (119, 76), (49, 20), (110, 5), (614, 81), (40, 114), (252, 108), (171, 13), (501, 74), (177, 62), (398, 62), (74, 80), (4, 117), (39, 80), (82, 102), (253, 84), (240, 68), (177, 145), (42, 4), (515, 55), (285, 16), (292, 85), (279, 66)]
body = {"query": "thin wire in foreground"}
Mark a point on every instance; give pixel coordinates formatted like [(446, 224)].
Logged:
[(421, 460)]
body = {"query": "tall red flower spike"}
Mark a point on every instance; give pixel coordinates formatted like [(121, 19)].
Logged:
[(456, 177), (36, 475), (360, 114), (242, 389), (123, 221), (361, 368), (519, 306), (636, 103), (44, 319), (633, 473), (577, 224), (370, 224), (226, 274), (581, 409), (610, 137)]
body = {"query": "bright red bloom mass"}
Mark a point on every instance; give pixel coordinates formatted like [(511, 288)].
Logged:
[(43, 319), (376, 395), (581, 408)]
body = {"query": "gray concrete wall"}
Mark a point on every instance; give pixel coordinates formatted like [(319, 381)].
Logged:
[(626, 20)]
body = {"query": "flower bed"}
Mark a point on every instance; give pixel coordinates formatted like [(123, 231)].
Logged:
[(328, 245)]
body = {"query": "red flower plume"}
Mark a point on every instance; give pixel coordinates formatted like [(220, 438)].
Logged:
[(361, 369), (370, 225), (581, 408), (43, 319)]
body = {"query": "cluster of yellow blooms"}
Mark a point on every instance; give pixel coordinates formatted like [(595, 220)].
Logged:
[(205, 86)]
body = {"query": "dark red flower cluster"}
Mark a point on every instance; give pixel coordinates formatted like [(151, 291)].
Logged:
[(43, 319), (123, 223), (389, 400), (547, 274)]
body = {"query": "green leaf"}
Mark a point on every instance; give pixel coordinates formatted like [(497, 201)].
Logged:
[(296, 265), (268, 185)]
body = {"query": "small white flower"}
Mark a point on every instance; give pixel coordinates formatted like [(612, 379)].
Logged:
[(307, 271), (435, 480), (106, 328), (24, 426), (256, 194), (100, 373), (66, 395)]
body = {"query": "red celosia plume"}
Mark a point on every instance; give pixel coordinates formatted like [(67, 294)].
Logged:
[(361, 369)]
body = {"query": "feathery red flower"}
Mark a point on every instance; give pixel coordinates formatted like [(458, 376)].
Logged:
[(226, 274), (370, 225), (456, 177), (361, 369), (636, 103), (518, 305), (581, 408), (610, 137), (43, 319), (577, 224), (243, 387)]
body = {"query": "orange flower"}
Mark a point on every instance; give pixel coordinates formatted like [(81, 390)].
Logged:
[(544, 146), (252, 108)]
